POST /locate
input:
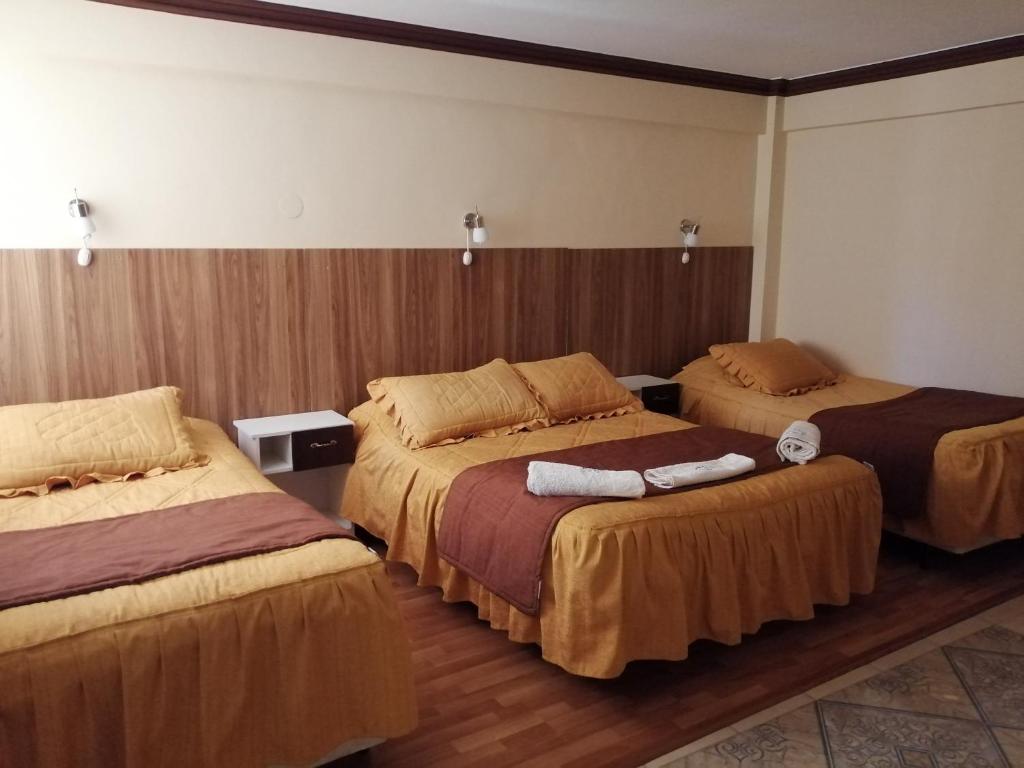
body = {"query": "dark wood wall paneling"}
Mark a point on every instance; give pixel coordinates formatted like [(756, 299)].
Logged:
[(282, 16), (255, 333)]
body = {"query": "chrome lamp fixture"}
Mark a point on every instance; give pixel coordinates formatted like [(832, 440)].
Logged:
[(79, 211), (474, 224), (688, 233)]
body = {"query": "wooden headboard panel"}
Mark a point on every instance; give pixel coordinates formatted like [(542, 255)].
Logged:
[(256, 332)]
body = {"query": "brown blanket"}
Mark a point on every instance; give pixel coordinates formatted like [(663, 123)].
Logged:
[(498, 533), (898, 437), (65, 560)]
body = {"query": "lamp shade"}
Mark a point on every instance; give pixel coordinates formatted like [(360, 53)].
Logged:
[(479, 235), (690, 239), (84, 225)]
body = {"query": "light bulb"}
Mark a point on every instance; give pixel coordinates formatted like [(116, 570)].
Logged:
[(479, 235), (467, 258)]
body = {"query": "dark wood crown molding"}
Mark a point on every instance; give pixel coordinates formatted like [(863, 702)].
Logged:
[(292, 17), (950, 58), (399, 33)]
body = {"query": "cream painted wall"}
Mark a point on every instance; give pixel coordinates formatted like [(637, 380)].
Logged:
[(188, 133), (902, 248)]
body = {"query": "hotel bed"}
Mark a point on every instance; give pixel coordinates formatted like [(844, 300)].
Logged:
[(633, 579), (975, 492), (272, 659)]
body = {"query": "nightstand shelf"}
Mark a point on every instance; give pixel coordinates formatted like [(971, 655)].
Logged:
[(297, 441), (658, 395)]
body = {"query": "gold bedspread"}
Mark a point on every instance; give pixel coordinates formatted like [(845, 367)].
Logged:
[(635, 579), (976, 492), (280, 657)]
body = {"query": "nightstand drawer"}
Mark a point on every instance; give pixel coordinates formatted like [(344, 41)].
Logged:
[(661, 398), (325, 447)]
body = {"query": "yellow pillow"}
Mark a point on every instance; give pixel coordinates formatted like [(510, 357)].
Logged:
[(441, 408), (777, 367), (577, 387), (43, 445)]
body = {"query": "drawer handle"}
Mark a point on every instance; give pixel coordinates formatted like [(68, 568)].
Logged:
[(324, 445)]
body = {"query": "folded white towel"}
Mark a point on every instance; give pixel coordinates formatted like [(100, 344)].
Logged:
[(694, 472), (800, 443), (546, 478)]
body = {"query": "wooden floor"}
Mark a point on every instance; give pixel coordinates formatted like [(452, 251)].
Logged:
[(486, 701)]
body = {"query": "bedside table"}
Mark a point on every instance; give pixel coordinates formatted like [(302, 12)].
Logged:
[(304, 454), (658, 395), (297, 442)]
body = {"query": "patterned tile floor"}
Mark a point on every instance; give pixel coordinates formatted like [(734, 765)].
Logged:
[(952, 700)]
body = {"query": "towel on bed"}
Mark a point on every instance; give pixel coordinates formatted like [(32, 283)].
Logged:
[(548, 478), (695, 472), (800, 443)]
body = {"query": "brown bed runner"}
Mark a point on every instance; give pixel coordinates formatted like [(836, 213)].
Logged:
[(51, 563), (898, 437), (498, 533)]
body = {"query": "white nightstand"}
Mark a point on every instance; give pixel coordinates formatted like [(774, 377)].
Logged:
[(658, 394), (304, 454)]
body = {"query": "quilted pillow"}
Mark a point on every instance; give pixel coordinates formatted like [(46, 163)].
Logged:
[(577, 387), (44, 445), (777, 367), (442, 408)]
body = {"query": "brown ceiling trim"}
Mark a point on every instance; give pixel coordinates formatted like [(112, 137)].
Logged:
[(976, 53), (398, 33)]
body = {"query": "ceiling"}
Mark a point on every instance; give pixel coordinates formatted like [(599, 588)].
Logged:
[(762, 38)]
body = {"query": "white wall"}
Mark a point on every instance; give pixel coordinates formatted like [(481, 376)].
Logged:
[(902, 249), (186, 132)]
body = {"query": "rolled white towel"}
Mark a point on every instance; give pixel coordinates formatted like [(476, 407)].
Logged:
[(694, 472), (800, 443), (547, 478)]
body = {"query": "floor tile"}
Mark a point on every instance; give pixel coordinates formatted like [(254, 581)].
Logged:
[(859, 736), (927, 684), (905, 654), (844, 681), (953, 699), (1010, 609), (790, 741), (994, 638), (961, 629), (995, 681), (672, 758), (1015, 623), (1012, 743), (772, 712)]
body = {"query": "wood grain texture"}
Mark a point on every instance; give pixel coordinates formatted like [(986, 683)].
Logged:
[(487, 702), (644, 311), (257, 333)]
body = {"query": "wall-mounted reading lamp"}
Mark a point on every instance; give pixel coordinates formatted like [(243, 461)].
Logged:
[(474, 224), (79, 211), (688, 232)]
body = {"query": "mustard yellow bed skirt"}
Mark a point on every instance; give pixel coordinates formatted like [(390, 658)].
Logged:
[(268, 660), (635, 579), (976, 492)]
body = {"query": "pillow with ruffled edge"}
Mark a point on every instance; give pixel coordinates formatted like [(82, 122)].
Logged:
[(577, 388), (105, 440), (444, 408), (777, 367)]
